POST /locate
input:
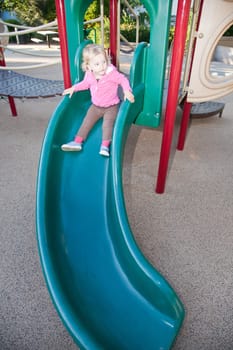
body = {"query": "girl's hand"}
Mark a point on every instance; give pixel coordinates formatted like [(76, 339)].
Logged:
[(129, 96), (69, 91)]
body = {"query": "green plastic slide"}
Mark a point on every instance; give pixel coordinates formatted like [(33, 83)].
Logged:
[(105, 291)]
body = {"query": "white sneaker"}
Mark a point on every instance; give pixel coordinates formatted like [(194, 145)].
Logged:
[(104, 151), (72, 146)]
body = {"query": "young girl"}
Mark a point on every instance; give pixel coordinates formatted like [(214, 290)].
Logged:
[(103, 79)]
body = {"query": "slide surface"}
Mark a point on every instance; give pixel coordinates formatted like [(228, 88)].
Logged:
[(105, 291)]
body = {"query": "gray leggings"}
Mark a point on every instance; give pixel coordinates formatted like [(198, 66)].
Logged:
[(94, 113)]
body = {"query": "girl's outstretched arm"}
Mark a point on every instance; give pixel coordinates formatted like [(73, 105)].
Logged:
[(69, 91), (128, 96), (82, 85)]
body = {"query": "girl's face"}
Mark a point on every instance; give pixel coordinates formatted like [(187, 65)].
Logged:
[(98, 65)]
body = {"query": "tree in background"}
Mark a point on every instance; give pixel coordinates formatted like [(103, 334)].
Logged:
[(30, 12), (47, 9)]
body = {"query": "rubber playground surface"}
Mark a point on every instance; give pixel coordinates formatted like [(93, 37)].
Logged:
[(185, 233)]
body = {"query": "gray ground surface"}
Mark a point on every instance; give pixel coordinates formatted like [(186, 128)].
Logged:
[(186, 233)]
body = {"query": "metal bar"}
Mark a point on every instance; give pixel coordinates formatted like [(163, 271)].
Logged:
[(173, 90), (61, 18), (102, 20), (126, 41), (10, 98), (12, 106), (187, 105), (95, 20), (113, 30), (136, 17)]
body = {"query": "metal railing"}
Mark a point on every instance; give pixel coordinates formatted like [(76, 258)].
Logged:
[(99, 19), (129, 7)]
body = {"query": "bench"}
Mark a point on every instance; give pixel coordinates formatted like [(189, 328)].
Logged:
[(37, 41)]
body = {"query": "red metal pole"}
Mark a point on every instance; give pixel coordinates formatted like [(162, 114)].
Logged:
[(12, 105), (173, 90), (113, 30), (10, 98), (184, 125), (187, 105), (61, 19)]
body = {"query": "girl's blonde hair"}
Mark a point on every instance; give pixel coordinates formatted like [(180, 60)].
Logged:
[(91, 51)]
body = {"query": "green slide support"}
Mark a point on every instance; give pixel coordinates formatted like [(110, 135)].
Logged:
[(154, 70), (107, 294)]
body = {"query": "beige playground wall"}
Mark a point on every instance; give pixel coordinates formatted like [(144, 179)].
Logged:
[(216, 17)]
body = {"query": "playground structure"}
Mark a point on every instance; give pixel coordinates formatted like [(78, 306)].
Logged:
[(105, 291), (15, 85), (95, 272), (205, 35)]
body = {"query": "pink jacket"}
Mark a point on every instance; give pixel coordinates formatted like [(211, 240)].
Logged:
[(104, 91)]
